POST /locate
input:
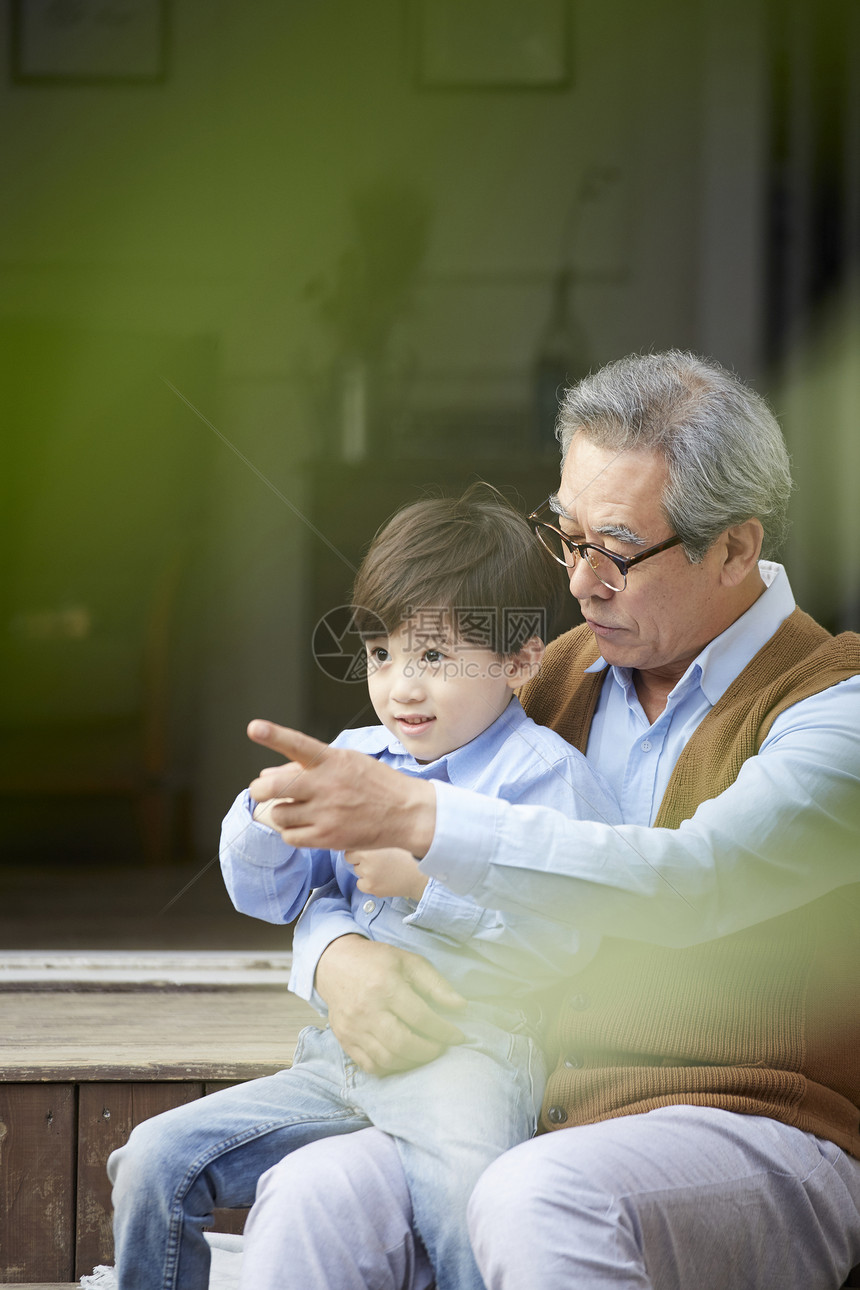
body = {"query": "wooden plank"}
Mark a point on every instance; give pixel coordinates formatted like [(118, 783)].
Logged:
[(107, 1113), (37, 1152), (229, 1220), (148, 1035)]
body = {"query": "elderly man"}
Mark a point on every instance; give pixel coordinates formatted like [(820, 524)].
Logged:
[(701, 1126)]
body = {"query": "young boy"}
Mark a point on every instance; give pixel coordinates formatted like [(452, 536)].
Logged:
[(450, 599)]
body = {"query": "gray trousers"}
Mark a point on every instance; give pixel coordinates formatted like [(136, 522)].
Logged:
[(683, 1198)]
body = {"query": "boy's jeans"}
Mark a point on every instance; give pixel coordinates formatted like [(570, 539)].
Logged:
[(450, 1119)]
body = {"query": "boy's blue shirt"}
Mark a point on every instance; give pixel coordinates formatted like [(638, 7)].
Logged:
[(486, 955)]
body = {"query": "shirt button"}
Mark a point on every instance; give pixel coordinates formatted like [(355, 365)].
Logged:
[(556, 1115), (646, 745), (369, 906), (579, 1003), (573, 1063)]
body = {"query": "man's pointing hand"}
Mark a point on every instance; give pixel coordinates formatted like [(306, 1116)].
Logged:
[(340, 799)]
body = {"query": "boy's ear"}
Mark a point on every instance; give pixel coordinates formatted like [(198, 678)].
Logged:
[(523, 666)]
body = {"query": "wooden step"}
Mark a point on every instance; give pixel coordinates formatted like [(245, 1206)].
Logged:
[(78, 1069)]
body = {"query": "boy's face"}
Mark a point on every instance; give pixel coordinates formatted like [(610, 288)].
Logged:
[(436, 693)]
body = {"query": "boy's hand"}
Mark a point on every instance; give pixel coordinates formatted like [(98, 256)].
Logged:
[(390, 871), (263, 811)]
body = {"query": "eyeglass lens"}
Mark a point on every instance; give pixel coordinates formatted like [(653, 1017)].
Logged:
[(604, 568)]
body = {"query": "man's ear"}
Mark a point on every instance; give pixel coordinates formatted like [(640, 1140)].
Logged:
[(742, 549), (526, 664)]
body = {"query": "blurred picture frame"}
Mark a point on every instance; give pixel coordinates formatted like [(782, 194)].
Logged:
[(492, 44), (89, 42)]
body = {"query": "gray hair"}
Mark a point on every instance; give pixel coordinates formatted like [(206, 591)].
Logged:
[(726, 457)]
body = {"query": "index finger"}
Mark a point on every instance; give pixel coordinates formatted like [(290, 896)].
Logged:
[(423, 1026), (421, 1019), (394, 1046), (291, 743)]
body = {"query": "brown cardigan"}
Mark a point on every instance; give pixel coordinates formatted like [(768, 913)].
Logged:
[(763, 1022)]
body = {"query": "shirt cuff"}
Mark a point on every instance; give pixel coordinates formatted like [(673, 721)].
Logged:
[(256, 843), (440, 911), (462, 846), (336, 923)]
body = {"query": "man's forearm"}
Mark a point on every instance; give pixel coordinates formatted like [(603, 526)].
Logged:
[(783, 834)]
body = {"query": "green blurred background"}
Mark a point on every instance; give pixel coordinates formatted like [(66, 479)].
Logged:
[(270, 269)]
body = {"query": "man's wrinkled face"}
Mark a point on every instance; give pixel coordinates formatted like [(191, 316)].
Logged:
[(670, 608)]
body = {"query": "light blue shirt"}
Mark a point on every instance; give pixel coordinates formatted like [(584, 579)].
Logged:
[(786, 832), (485, 955)]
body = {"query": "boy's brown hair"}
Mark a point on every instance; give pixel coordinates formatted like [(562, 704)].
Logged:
[(473, 557)]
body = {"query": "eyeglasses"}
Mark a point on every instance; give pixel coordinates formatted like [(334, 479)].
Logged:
[(609, 568)]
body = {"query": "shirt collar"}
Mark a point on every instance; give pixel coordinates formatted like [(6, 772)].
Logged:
[(459, 765), (726, 656)]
